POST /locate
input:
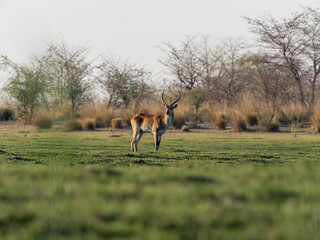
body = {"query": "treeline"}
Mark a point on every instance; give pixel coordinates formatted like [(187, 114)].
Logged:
[(279, 68)]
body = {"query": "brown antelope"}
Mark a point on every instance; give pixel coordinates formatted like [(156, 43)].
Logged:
[(142, 123)]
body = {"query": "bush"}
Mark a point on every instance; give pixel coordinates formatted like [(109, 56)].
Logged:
[(239, 123), (103, 121), (220, 121), (89, 124), (116, 123), (72, 125), (185, 128), (272, 127), (282, 118), (6, 114), (252, 119), (43, 122)]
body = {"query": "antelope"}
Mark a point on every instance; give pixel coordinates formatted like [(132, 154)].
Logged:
[(142, 123)]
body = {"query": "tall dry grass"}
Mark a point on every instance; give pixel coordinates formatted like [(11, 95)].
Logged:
[(99, 113), (220, 120), (315, 119), (294, 113)]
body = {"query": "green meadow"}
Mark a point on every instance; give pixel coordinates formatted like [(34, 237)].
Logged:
[(199, 185)]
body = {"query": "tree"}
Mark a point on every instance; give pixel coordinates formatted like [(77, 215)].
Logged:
[(311, 33), (211, 69), (26, 84), (294, 43), (270, 82), (124, 82), (69, 75), (183, 62), (197, 97), (233, 77)]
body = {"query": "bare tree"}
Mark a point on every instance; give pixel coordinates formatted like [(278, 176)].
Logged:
[(233, 79), (285, 42), (311, 35), (211, 69), (124, 82), (270, 82), (183, 62)]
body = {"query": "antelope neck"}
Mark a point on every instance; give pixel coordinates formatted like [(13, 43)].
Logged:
[(168, 119)]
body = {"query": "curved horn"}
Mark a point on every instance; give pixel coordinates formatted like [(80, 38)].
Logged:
[(163, 99), (177, 99)]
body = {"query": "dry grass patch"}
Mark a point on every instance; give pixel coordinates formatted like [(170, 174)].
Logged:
[(42, 122), (116, 123)]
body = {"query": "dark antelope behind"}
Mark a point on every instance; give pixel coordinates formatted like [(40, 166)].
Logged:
[(142, 123)]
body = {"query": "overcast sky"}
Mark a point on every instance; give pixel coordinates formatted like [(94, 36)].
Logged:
[(126, 28)]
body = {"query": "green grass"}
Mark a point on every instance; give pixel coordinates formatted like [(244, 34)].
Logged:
[(200, 185)]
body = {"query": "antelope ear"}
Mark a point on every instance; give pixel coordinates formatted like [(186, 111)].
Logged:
[(174, 106)]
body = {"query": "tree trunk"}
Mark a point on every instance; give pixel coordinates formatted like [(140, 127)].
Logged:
[(197, 109)]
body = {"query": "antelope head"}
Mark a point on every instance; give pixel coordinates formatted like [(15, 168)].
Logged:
[(173, 105)]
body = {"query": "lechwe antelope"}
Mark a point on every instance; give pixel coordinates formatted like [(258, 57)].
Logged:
[(142, 123)]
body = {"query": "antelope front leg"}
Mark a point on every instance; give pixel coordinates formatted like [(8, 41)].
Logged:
[(156, 141), (159, 140), (134, 141)]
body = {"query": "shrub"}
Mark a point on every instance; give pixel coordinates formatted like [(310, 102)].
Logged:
[(89, 124), (282, 118), (43, 122), (72, 125), (6, 114), (239, 123), (185, 128), (116, 123), (252, 119), (272, 127), (220, 120)]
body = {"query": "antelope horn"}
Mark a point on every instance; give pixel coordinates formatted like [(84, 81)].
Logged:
[(177, 99), (163, 99)]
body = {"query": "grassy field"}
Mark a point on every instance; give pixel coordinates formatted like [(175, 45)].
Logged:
[(200, 185)]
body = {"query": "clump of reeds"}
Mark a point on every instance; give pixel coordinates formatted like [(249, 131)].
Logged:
[(220, 120), (88, 124), (72, 125), (239, 122)]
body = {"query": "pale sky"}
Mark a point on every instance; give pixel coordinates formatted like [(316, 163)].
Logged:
[(127, 28)]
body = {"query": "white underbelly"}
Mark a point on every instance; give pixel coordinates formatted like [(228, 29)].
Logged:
[(145, 129)]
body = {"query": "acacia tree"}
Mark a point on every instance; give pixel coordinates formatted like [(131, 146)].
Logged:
[(26, 84), (124, 82), (69, 75)]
